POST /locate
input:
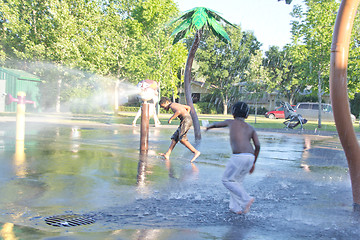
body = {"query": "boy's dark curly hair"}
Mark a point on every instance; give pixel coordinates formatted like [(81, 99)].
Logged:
[(164, 100), (240, 109)]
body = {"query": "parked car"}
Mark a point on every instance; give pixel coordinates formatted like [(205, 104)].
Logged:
[(310, 111), (277, 113)]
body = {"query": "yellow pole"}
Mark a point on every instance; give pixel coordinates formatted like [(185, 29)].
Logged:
[(7, 232), (20, 117), (19, 153), (19, 159), (339, 94)]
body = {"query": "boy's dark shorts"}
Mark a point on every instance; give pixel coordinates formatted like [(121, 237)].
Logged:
[(180, 133)]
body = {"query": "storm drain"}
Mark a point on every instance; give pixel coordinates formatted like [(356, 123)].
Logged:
[(72, 220)]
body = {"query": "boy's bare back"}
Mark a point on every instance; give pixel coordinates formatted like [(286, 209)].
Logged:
[(241, 134)]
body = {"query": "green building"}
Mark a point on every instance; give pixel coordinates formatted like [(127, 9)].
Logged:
[(13, 81)]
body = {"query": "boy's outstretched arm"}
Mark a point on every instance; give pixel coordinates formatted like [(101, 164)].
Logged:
[(218, 125)]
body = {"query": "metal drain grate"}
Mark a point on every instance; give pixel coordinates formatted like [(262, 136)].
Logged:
[(72, 220)]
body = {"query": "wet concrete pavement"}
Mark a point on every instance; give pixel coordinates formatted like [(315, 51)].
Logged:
[(301, 185)]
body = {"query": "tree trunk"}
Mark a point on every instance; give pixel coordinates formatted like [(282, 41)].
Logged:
[(225, 104), (187, 85), (319, 99), (58, 97), (291, 97), (339, 95), (116, 98), (255, 109)]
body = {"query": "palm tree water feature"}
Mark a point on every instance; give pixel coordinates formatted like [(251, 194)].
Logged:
[(197, 19), (93, 170)]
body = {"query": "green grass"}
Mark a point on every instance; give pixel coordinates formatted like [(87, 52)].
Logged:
[(261, 122)]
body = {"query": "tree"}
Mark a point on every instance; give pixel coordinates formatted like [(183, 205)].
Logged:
[(285, 70), (197, 19), (286, 1), (117, 39), (257, 78), (152, 54), (353, 73), (315, 27), (223, 65)]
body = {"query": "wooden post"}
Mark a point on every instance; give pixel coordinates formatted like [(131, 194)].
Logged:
[(144, 128), (339, 95), (142, 170)]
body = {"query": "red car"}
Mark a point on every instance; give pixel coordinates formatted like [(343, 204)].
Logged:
[(277, 113)]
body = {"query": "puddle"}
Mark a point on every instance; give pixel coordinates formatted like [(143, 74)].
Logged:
[(300, 183)]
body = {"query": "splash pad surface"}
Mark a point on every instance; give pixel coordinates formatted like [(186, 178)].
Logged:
[(300, 183)]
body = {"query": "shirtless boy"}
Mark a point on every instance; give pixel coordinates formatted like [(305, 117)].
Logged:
[(183, 113), (243, 158)]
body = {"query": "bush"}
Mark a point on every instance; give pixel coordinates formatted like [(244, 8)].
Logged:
[(307, 98), (260, 110), (135, 109), (128, 109), (205, 108)]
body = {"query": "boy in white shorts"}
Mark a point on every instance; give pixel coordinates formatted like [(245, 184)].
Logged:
[(243, 158)]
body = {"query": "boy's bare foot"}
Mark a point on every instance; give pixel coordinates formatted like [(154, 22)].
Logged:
[(134, 124), (239, 212), (165, 156), (247, 208), (196, 155)]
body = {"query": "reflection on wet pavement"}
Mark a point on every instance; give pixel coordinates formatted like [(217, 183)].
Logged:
[(300, 183)]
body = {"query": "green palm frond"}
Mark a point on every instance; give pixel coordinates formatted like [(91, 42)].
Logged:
[(184, 25), (186, 15), (183, 34), (219, 18), (197, 19), (218, 30)]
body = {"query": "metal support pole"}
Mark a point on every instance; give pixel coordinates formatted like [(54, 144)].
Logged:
[(144, 128), (339, 95)]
